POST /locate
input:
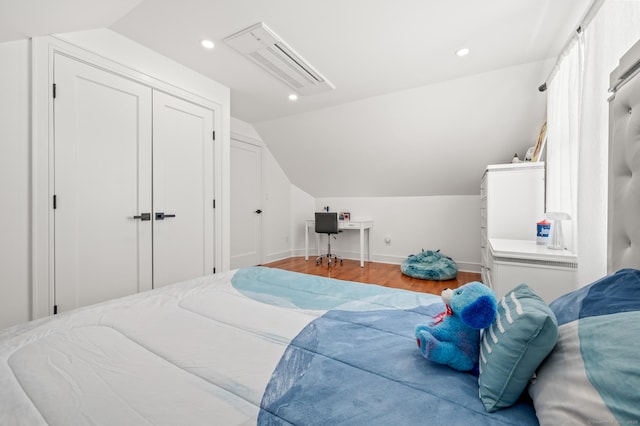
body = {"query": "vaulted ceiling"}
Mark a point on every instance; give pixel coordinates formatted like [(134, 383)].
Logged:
[(407, 116)]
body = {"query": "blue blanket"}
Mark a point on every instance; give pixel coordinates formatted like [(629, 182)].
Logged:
[(358, 363)]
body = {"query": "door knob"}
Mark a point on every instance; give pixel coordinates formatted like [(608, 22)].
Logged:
[(143, 216), (258, 211), (162, 215)]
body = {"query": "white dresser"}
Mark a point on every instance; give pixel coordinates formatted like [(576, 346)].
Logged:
[(550, 273), (512, 202)]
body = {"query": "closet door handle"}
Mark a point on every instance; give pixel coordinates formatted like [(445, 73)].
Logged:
[(143, 216), (161, 215)]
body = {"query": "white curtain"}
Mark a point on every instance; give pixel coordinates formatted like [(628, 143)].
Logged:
[(564, 108), (577, 144)]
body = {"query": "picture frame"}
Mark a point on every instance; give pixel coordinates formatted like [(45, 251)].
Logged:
[(344, 216), (542, 140)]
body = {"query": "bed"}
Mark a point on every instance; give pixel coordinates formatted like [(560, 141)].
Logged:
[(264, 346), (271, 347), (255, 345)]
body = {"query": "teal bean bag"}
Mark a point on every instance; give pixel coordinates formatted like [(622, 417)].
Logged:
[(430, 265)]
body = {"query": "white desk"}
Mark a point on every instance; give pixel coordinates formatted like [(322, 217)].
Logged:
[(361, 226)]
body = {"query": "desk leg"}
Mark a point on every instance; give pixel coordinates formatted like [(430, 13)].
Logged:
[(306, 242), (361, 247), (368, 244)]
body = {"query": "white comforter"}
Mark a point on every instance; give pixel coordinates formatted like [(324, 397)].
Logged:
[(192, 353)]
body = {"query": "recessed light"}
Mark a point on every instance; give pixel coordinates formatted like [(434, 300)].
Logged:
[(462, 52), (293, 97), (207, 44)]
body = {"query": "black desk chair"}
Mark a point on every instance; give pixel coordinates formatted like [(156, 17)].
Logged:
[(327, 223)]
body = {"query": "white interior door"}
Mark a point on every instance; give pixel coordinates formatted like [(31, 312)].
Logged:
[(246, 196), (183, 242), (102, 179)]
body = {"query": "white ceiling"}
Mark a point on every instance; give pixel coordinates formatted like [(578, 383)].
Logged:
[(29, 18), (365, 47), (375, 52)]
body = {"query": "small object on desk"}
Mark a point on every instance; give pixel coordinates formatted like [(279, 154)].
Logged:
[(556, 239), (542, 234), (529, 155), (515, 158)]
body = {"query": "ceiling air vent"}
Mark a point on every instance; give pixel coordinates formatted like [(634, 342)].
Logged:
[(266, 49)]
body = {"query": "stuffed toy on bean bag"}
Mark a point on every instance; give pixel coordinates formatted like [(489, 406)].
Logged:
[(453, 338), (430, 265)]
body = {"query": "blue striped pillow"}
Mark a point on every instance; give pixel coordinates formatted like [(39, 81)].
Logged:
[(522, 335)]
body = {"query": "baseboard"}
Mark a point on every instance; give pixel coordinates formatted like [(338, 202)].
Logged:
[(468, 267), (274, 257), (300, 252), (391, 259), (397, 260)]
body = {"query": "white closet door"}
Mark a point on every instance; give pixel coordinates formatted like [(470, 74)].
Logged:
[(182, 186), (102, 163), (246, 197)]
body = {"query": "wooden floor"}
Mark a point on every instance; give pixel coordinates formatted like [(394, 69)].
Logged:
[(384, 274)]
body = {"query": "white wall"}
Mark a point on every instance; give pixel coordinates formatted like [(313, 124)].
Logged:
[(425, 141), (615, 29), (303, 206), (277, 206), (15, 191), (122, 50), (276, 197), (423, 223), (410, 160), (450, 224)]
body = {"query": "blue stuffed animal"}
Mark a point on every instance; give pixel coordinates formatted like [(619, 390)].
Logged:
[(454, 336)]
